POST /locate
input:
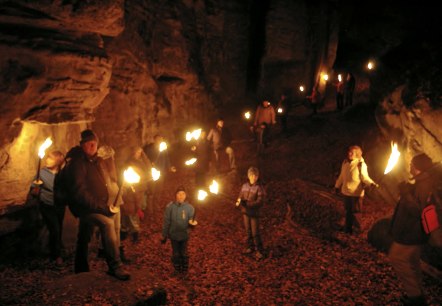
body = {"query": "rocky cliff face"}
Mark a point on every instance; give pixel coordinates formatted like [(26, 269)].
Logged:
[(132, 69)]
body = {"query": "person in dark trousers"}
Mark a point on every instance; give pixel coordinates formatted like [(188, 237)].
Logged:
[(315, 98), (51, 213), (158, 155), (349, 88), (265, 119), (134, 195), (203, 152), (407, 231), (284, 108), (351, 182), (92, 197), (251, 199), (221, 139), (178, 217), (340, 87)]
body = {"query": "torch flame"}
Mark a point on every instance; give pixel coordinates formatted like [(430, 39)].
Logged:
[(190, 161), (194, 134), (44, 146), (247, 115), (131, 176), (280, 110), (214, 187), (155, 174), (370, 65), (394, 157), (325, 77), (301, 88), (163, 146), (202, 195), (339, 78)]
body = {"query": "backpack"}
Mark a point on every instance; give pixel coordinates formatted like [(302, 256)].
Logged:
[(431, 215)]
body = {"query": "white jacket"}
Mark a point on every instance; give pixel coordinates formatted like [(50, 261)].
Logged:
[(349, 180)]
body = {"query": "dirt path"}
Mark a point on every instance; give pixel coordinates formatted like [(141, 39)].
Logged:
[(309, 261)]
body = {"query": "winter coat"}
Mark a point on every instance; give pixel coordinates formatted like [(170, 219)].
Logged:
[(253, 195), (349, 180), (176, 220), (406, 226), (89, 186), (265, 115), (220, 137)]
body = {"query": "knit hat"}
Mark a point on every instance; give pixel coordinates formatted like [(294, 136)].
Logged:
[(180, 188), (88, 135), (422, 162)]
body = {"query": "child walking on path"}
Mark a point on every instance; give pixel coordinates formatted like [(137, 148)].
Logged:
[(177, 218), (251, 198)]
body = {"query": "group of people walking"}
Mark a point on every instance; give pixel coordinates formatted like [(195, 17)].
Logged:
[(90, 188)]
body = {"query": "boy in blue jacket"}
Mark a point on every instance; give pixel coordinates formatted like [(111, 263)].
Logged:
[(177, 217), (251, 198)]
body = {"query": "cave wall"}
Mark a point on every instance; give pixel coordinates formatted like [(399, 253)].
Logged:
[(415, 128), (132, 69)]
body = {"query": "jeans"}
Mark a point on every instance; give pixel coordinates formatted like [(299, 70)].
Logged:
[(251, 225), (180, 259), (230, 153), (109, 237), (405, 260), (351, 214), (53, 219)]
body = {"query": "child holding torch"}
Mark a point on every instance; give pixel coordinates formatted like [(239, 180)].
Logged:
[(52, 214), (251, 198), (178, 217)]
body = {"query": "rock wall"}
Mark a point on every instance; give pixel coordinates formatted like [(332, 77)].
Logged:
[(133, 69)]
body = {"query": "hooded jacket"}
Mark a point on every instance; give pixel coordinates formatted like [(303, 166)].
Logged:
[(176, 220)]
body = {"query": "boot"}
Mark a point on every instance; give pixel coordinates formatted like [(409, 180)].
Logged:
[(135, 237), (119, 273), (184, 264), (123, 257)]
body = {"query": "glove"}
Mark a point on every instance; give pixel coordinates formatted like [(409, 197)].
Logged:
[(243, 203), (140, 214), (164, 240)]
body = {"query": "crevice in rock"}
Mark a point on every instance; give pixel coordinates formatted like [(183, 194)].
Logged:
[(168, 79), (257, 42)]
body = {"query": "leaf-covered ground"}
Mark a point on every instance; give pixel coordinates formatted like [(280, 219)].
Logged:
[(309, 261)]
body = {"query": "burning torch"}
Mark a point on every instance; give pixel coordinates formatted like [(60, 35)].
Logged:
[(41, 153), (130, 177), (195, 134)]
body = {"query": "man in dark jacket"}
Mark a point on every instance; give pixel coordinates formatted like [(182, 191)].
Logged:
[(407, 231), (92, 195)]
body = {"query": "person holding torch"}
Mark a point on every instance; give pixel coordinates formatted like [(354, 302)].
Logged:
[(92, 203), (351, 183), (134, 195), (178, 218), (250, 199), (51, 213), (406, 228)]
